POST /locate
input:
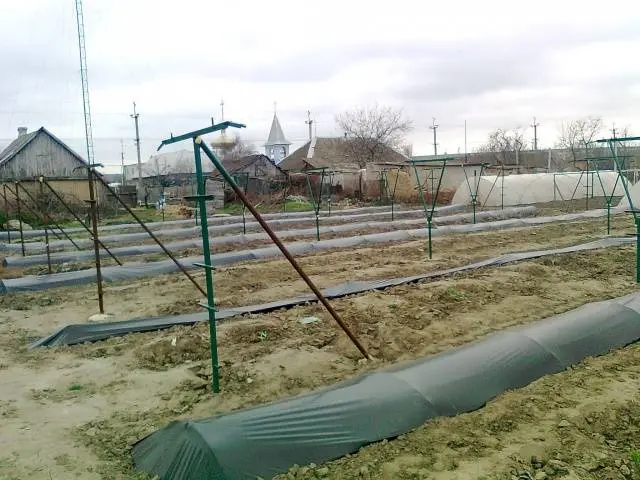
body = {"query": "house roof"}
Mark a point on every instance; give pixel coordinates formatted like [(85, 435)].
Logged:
[(21, 142), (16, 146), (276, 136), (232, 165), (333, 153)]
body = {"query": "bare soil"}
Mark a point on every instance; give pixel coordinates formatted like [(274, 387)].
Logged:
[(73, 412)]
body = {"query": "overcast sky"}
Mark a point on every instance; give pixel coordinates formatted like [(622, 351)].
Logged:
[(495, 64)]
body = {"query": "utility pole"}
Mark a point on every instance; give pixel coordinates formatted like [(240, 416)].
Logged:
[(535, 133), (135, 119), (434, 127), (465, 140), (310, 123)]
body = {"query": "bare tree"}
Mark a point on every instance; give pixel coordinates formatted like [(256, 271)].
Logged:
[(372, 129), (407, 150), (506, 145), (576, 135)]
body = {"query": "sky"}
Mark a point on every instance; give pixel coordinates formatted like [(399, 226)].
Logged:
[(494, 64)]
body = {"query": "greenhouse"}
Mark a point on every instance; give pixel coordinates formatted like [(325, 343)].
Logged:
[(524, 189), (634, 193)]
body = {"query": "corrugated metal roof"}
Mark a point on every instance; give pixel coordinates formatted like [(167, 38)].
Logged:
[(276, 136)]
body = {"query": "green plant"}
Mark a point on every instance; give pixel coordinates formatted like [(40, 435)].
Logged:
[(635, 457)]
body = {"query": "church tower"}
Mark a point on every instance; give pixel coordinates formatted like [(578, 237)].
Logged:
[(277, 147)]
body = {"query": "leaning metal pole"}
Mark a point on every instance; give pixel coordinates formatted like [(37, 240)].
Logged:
[(46, 217), (283, 249), (78, 219), (146, 229)]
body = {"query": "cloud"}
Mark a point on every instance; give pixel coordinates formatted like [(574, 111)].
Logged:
[(491, 63)]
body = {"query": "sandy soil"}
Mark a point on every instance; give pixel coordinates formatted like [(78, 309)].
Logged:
[(73, 412)]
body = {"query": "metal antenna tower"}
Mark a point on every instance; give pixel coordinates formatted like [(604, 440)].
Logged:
[(85, 82)]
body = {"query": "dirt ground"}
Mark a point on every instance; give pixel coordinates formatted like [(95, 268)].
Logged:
[(73, 412)]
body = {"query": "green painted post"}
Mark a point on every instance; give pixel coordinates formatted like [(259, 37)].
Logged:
[(430, 243), (429, 213), (502, 194), (202, 207), (608, 216)]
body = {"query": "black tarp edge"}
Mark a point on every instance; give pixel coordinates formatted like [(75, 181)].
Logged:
[(327, 424), (32, 283), (93, 332)]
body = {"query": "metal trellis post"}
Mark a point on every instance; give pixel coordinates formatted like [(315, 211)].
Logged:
[(19, 219), (200, 145), (473, 192), (611, 142), (202, 198), (6, 209), (245, 185), (434, 195)]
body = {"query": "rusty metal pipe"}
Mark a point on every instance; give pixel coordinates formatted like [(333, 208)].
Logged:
[(286, 253)]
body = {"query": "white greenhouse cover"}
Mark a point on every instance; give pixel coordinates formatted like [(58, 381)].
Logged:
[(531, 188), (634, 192)]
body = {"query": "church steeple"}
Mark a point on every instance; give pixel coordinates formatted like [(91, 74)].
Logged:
[(277, 146)]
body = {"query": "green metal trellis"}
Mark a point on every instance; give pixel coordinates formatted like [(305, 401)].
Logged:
[(317, 199), (435, 190), (473, 191), (386, 187), (611, 142), (493, 185), (201, 197), (608, 198), (242, 179)]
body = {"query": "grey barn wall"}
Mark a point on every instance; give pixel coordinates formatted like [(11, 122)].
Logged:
[(42, 156)]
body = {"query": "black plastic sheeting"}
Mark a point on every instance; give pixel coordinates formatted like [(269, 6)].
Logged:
[(93, 332), (32, 283), (218, 225), (330, 423), (196, 243), (215, 220)]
